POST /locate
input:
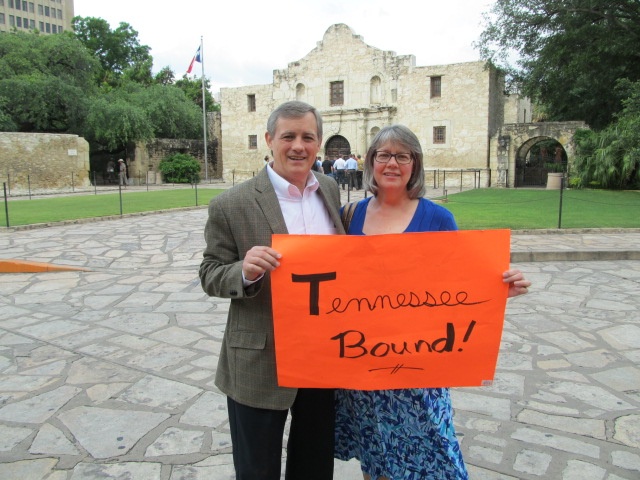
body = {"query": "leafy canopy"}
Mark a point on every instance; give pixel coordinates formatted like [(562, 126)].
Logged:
[(566, 55)]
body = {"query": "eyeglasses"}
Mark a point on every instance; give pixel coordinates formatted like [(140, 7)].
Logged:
[(401, 158)]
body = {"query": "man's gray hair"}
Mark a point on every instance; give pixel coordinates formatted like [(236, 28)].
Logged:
[(293, 109)]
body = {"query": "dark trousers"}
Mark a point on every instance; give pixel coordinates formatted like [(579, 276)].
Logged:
[(256, 436), (351, 179)]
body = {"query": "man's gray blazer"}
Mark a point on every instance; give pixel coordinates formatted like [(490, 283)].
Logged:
[(240, 218)]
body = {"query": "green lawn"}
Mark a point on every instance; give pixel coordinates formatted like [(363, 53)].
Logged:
[(537, 209), (55, 209), (475, 209)]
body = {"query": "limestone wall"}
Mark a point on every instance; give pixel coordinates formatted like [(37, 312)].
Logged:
[(380, 88), (238, 123), (144, 169), (46, 161)]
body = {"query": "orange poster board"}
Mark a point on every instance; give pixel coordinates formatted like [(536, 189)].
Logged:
[(389, 311)]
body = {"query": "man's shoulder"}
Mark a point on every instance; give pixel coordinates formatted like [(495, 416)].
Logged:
[(241, 190)]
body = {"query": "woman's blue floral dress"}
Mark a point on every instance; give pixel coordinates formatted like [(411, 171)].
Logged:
[(401, 434)]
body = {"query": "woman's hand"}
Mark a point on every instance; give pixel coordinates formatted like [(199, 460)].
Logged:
[(518, 285)]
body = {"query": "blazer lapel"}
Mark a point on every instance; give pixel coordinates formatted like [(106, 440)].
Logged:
[(267, 201)]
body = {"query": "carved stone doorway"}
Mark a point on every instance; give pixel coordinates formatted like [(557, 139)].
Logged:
[(337, 146)]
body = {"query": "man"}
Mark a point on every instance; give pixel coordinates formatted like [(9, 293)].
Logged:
[(327, 166), (360, 171), (284, 197), (351, 165), (122, 173), (339, 170)]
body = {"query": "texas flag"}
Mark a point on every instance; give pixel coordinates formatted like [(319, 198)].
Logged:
[(196, 58)]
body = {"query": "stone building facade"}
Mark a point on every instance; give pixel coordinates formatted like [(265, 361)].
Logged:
[(45, 16), (455, 110), (43, 161)]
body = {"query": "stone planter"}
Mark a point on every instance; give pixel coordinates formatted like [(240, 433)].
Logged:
[(554, 180)]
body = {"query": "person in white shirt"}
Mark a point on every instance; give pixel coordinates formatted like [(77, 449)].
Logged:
[(339, 168), (351, 165)]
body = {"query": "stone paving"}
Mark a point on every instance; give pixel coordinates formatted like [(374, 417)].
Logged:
[(108, 373)]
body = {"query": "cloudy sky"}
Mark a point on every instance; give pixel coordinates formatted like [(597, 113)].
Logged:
[(245, 40)]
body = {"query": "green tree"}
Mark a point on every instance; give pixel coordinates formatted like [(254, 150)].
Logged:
[(134, 113), (118, 51), (171, 113), (610, 158), (6, 122), (45, 81), (193, 90), (568, 54), (180, 168), (113, 122), (165, 77)]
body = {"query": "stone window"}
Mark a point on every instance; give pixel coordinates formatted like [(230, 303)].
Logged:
[(436, 87), (24, 5), (439, 134), (300, 92), (1, 18), (375, 90), (253, 142), (32, 7), (251, 103), (337, 93), (40, 10), (19, 22), (41, 26), (47, 12)]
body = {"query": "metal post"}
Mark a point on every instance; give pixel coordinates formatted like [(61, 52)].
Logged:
[(120, 193), (6, 202), (560, 206), (444, 182)]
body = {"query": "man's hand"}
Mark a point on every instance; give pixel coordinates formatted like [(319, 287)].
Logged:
[(258, 261)]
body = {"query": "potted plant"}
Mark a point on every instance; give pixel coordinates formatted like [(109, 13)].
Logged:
[(555, 174)]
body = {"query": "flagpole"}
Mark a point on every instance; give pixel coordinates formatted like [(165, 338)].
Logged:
[(204, 114)]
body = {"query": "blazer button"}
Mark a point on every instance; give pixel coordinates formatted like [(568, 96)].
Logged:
[(233, 292)]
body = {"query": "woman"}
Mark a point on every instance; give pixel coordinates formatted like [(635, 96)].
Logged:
[(403, 434)]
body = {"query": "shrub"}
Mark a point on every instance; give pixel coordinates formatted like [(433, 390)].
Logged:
[(180, 168)]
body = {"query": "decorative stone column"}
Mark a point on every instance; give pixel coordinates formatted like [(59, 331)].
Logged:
[(504, 142)]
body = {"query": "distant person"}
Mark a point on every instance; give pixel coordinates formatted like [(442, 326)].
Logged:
[(266, 160), (111, 171), (339, 170), (327, 166), (122, 173), (285, 197), (351, 166)]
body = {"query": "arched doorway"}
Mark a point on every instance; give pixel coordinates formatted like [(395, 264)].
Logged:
[(536, 158), (336, 146)]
